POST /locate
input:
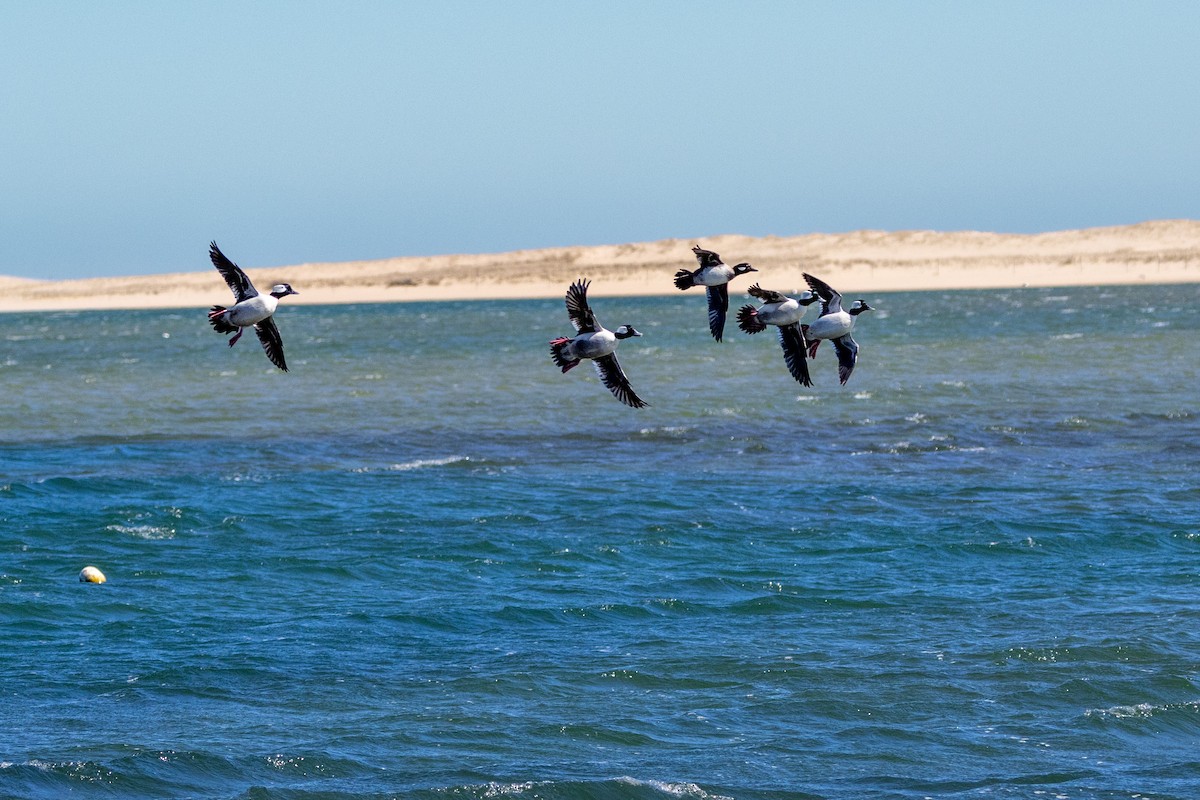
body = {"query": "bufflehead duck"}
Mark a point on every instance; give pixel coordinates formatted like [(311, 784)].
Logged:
[(251, 309), (715, 276), (834, 324), (785, 312), (595, 342)]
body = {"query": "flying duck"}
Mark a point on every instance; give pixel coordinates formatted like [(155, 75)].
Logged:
[(785, 312), (594, 341), (251, 309), (834, 324), (714, 275)]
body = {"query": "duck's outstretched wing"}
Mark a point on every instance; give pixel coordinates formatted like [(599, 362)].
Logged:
[(239, 284), (707, 258), (791, 339), (272, 343), (612, 376), (578, 309), (766, 295), (718, 306), (847, 353), (831, 300)]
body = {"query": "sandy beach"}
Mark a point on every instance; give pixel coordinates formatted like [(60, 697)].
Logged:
[(858, 263)]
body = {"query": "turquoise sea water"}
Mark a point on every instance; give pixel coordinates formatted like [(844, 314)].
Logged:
[(424, 564)]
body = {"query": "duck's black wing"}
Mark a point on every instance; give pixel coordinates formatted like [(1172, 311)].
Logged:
[(718, 306), (847, 353), (831, 300), (612, 376), (239, 284), (272, 343), (707, 258), (791, 339), (766, 295), (578, 309)]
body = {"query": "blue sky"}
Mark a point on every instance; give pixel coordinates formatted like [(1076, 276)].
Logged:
[(132, 133)]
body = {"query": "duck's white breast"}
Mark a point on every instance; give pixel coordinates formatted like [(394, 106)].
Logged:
[(595, 345), (784, 313), (715, 276), (253, 310), (831, 326)]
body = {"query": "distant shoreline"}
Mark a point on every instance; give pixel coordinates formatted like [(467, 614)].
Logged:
[(857, 263)]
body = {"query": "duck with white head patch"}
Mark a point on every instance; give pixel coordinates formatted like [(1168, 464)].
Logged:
[(834, 324), (785, 313), (593, 341), (714, 275), (251, 309)]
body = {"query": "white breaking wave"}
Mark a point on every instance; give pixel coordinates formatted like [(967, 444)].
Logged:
[(675, 789), (1141, 710), (421, 463), (418, 463), (143, 531)]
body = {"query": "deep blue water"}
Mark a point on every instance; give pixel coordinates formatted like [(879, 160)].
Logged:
[(425, 564)]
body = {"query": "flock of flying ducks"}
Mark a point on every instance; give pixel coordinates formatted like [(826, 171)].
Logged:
[(595, 342), (799, 342)]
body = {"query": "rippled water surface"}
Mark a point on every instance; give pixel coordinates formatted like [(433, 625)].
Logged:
[(424, 564)]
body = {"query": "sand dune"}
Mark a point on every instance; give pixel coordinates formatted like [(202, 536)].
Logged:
[(857, 263)]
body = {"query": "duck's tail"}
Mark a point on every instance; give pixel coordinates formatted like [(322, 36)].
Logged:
[(683, 279), (556, 352), (216, 318), (748, 321)]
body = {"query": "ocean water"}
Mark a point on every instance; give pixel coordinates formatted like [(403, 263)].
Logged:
[(425, 564)]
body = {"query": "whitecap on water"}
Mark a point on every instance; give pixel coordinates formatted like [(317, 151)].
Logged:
[(1141, 710), (143, 531), (1122, 712), (674, 789), (506, 789), (673, 431), (421, 463)]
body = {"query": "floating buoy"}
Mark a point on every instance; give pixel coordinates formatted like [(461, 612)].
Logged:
[(91, 575)]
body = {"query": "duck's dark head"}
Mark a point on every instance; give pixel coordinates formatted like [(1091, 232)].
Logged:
[(807, 298), (743, 268), (859, 307), (282, 290), (626, 331)]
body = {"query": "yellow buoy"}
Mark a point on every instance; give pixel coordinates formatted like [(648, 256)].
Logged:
[(91, 575)]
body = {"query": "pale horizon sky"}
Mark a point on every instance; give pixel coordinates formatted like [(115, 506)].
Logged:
[(133, 133)]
